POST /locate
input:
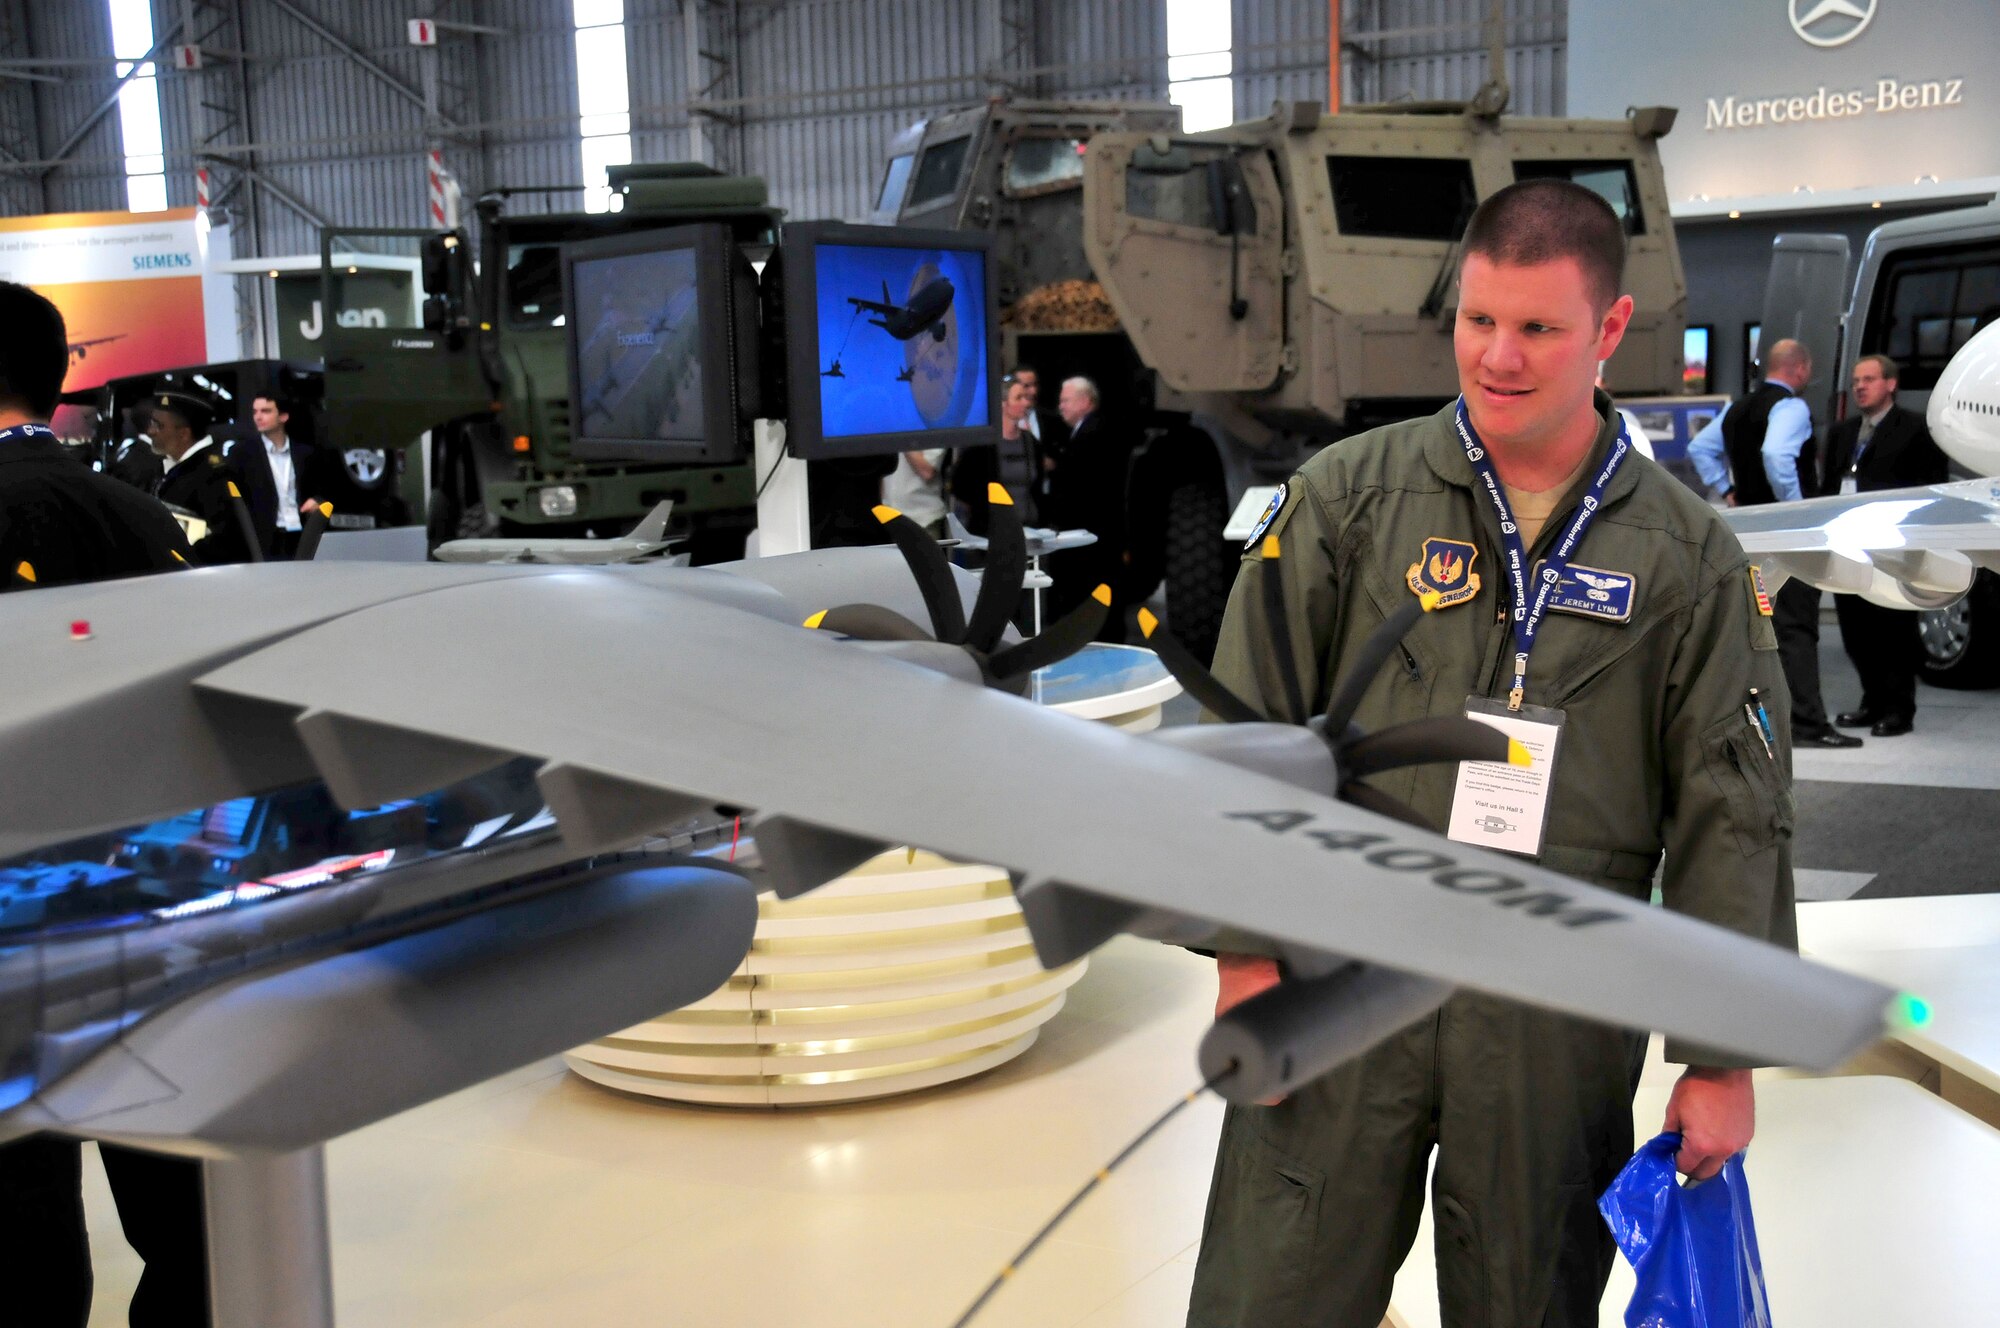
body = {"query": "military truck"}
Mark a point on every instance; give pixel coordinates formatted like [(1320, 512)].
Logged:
[(1245, 296), (485, 377)]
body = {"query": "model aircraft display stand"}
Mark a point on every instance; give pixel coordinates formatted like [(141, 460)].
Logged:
[(1945, 949), (909, 972)]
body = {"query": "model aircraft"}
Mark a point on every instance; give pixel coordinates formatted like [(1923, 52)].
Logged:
[(643, 541), (924, 313), (907, 375), (835, 372), (80, 350), (1912, 548), (458, 871)]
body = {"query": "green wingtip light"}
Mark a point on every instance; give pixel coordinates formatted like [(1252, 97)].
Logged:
[(1912, 1011)]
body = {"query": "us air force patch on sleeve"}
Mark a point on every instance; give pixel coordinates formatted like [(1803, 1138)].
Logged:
[(1445, 567), (1271, 510), (1594, 592)]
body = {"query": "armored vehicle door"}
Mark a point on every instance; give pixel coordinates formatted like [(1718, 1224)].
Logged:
[(1188, 241), (1804, 296), (395, 367)]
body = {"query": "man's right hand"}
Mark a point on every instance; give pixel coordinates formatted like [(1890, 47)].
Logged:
[(1243, 976)]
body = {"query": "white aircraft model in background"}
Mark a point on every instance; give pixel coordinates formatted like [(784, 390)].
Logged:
[(1913, 548)]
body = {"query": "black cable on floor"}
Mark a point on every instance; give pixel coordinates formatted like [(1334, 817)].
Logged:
[(1013, 1265)]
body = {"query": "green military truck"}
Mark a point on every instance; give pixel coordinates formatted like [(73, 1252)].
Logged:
[(1248, 295), (484, 375)]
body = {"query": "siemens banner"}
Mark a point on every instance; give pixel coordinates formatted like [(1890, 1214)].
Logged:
[(1798, 98)]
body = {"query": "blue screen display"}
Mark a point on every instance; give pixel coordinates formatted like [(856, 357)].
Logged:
[(902, 339)]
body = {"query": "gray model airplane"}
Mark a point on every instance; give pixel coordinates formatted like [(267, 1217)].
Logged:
[(276, 837), (643, 541)]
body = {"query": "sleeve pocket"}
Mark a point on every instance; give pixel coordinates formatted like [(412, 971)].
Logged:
[(1755, 793)]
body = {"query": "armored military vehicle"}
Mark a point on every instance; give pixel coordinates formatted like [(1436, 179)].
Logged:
[(1247, 295), (485, 377)]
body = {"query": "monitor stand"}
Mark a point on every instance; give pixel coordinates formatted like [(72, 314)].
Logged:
[(784, 514)]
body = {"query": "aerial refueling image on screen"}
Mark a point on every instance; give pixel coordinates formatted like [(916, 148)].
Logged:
[(638, 347), (902, 339)]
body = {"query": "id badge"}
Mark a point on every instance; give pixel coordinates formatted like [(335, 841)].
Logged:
[(1496, 805)]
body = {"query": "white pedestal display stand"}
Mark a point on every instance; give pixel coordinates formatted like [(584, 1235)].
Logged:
[(910, 972)]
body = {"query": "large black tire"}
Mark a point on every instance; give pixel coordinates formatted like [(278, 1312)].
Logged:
[(1200, 565), (1962, 643)]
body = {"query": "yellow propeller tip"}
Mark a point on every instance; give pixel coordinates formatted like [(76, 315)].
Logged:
[(177, 555), (1270, 546), (909, 856), (816, 619), (1102, 595), (1430, 599), (885, 514), (996, 493), (1517, 754), (234, 492), (1148, 623), (26, 571), (326, 509)]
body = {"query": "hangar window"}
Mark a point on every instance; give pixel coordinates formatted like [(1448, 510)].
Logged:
[(1402, 198), (894, 183), (1613, 181), (139, 107), (1043, 165), (938, 172), (603, 96), (1927, 305)]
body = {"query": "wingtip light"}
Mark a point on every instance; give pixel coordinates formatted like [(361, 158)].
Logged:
[(885, 513), (818, 618), (1102, 594), (996, 494), (1910, 1011), (1148, 623)]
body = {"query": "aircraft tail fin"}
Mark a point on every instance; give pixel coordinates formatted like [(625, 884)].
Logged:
[(652, 527)]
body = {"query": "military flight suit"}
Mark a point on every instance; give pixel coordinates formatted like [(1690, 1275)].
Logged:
[(1316, 1201), (199, 483)]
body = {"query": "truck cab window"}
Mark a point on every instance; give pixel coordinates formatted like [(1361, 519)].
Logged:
[(1038, 165), (534, 285), (1402, 198), (1613, 181), (1929, 305), (1172, 187), (894, 182), (938, 172)]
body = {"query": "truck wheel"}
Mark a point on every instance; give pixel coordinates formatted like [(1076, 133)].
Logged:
[(1199, 565), (1962, 643)]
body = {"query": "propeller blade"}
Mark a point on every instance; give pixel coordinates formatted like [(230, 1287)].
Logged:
[(1420, 741), (1006, 565), (867, 622), (309, 537), (1192, 675), (1369, 798), (245, 523), (932, 571), (1368, 661), (1059, 640), (1281, 631)]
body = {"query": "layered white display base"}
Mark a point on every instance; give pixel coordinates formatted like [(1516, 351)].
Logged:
[(905, 974)]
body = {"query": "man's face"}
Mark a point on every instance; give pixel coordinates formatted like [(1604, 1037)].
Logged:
[(1871, 390), (1019, 400), (171, 435), (264, 413), (1528, 342), (1073, 404), (1029, 379)]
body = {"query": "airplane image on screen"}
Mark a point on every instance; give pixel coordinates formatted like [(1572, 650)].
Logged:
[(924, 313), (80, 350), (667, 337)]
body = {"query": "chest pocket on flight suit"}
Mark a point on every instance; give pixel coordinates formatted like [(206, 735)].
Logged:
[(1761, 809)]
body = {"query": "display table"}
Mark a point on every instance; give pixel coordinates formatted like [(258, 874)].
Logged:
[(1873, 1200), (908, 972)]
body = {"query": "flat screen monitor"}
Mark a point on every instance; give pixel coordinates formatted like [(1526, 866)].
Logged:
[(662, 346), (892, 339), (1696, 344)]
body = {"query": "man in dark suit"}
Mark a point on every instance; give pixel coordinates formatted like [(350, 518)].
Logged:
[(1880, 446), (1086, 490), (282, 474), (199, 479)]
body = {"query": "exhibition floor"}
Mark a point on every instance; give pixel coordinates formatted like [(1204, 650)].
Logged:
[(541, 1199)]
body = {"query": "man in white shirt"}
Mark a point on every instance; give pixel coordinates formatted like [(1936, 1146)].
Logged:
[(916, 489), (287, 461)]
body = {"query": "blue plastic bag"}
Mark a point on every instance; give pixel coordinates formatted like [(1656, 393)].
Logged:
[(1694, 1248)]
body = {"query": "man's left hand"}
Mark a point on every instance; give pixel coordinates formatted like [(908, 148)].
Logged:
[(1715, 1113)]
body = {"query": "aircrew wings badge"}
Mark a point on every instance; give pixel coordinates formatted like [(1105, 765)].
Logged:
[(1445, 569), (1757, 591)]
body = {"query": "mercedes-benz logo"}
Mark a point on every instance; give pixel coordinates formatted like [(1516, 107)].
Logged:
[(1830, 22)]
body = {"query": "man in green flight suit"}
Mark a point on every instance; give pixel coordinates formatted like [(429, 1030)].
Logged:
[(1594, 605)]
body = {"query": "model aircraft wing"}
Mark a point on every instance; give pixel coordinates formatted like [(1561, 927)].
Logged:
[(650, 689), (1905, 548)]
